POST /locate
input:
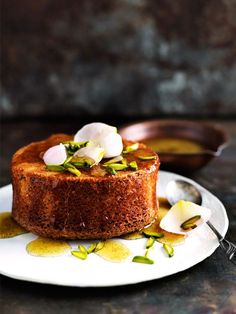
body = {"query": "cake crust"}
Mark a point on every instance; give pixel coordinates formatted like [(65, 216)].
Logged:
[(61, 205)]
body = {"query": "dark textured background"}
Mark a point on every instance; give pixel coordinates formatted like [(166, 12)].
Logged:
[(129, 59), (126, 57), (207, 288)]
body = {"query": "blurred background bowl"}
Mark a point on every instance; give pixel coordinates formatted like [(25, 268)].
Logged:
[(209, 139)]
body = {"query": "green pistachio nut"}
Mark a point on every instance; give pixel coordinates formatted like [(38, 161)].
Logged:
[(142, 259)]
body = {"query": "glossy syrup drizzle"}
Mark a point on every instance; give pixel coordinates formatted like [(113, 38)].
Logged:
[(47, 247), (169, 237), (113, 250), (8, 227)]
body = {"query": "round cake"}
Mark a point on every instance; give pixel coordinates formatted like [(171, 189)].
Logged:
[(94, 205)]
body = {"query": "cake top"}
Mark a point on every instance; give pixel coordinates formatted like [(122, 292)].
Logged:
[(95, 150), (90, 145)]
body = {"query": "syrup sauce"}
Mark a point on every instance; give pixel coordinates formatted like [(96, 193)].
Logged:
[(174, 145), (8, 227), (114, 251), (47, 247), (133, 235), (169, 237)]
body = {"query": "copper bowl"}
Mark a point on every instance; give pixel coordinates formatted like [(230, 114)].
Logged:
[(210, 136)]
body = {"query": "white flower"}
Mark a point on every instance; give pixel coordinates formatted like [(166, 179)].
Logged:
[(55, 155), (181, 212), (93, 152), (103, 135), (112, 144), (94, 131)]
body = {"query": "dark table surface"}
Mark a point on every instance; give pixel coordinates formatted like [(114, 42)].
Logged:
[(208, 287)]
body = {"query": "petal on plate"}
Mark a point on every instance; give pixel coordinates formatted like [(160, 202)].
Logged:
[(93, 152), (55, 155), (181, 212), (112, 144), (94, 131)]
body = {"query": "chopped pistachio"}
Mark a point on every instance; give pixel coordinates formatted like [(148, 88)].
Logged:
[(90, 143), (111, 170), (189, 226), (133, 165), (147, 157), (153, 234), (68, 159), (81, 162), (148, 251), (55, 168), (74, 171), (69, 165), (150, 242), (142, 259), (113, 160), (84, 143), (80, 254), (95, 247), (131, 148), (117, 167), (124, 162), (89, 155), (99, 246), (72, 146), (91, 248), (169, 249), (190, 223), (82, 249)]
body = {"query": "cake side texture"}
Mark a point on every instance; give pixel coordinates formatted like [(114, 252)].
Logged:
[(61, 205)]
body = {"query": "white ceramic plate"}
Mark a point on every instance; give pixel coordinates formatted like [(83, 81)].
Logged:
[(67, 270)]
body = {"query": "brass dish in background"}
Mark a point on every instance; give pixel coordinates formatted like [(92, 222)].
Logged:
[(212, 137)]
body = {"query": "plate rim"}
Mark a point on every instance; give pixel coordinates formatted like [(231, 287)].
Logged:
[(89, 285)]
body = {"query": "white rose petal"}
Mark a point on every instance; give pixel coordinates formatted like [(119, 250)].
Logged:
[(181, 212), (112, 144), (93, 131), (103, 135), (55, 155), (93, 152)]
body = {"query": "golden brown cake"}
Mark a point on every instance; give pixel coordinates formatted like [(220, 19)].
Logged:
[(92, 206)]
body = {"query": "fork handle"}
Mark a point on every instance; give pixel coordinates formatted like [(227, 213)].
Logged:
[(219, 236), (227, 246)]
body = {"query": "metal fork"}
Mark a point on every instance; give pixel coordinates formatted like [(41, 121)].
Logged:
[(228, 247)]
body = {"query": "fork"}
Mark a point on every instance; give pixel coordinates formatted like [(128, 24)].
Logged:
[(228, 247)]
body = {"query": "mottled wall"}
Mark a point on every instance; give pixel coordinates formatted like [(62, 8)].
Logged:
[(132, 57)]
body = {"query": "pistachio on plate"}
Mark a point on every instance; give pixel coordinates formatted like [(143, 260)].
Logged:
[(142, 259), (153, 234), (169, 249), (80, 254)]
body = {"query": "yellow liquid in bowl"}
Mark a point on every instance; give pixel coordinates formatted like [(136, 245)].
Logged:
[(174, 145)]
